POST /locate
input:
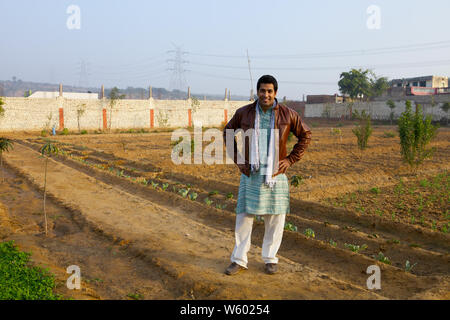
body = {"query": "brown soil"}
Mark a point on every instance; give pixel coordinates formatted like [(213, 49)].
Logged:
[(141, 239)]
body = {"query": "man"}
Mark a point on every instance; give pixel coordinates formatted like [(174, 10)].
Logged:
[(264, 187)]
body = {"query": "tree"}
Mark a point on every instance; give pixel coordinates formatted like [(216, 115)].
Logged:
[(377, 85), (362, 84), (445, 107), (391, 105), (80, 111), (47, 150), (415, 134), (113, 97), (5, 146), (355, 83)]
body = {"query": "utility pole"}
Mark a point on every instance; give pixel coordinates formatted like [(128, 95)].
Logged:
[(251, 78)]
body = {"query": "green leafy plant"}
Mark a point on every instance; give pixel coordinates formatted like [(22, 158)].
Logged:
[(355, 248), (230, 195), (208, 201), (5, 146), (21, 281), (193, 196), (296, 180), (47, 150), (213, 193), (290, 227), (135, 296), (375, 190), (333, 243), (391, 105), (363, 130), (65, 132), (408, 266), (165, 186), (309, 233), (155, 185), (382, 258), (388, 134), (83, 132), (415, 135), (183, 192)]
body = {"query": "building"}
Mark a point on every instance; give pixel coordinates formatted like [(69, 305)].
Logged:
[(323, 98), (423, 82), (419, 86)]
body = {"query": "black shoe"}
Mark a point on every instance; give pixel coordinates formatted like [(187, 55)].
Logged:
[(234, 268), (271, 268)]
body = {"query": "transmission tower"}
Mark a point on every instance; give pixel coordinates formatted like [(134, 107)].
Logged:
[(178, 79)]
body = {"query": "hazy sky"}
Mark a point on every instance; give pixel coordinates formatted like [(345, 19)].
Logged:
[(304, 44)]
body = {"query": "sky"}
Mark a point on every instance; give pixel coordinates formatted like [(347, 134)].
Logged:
[(306, 45)]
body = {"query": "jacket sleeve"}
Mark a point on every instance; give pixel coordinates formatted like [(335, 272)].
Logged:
[(234, 124), (303, 134)]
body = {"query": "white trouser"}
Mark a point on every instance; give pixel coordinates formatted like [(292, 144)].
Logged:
[(274, 227)]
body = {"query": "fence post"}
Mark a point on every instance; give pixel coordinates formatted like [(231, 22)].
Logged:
[(105, 122), (152, 118), (61, 118), (190, 117)]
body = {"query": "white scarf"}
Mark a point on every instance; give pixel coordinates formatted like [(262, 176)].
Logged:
[(254, 153)]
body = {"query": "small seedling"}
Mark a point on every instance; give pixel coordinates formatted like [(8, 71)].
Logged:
[(165, 186), (183, 192), (382, 258), (394, 241), (309, 233), (213, 193), (408, 266), (375, 190), (355, 248), (333, 243), (155, 185), (296, 180), (192, 196), (135, 296), (230, 195), (208, 201), (290, 227)]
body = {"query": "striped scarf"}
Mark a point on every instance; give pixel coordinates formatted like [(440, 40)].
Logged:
[(255, 160)]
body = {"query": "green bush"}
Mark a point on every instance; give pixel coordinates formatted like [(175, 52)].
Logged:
[(19, 280), (65, 132), (415, 134), (363, 130), (83, 132)]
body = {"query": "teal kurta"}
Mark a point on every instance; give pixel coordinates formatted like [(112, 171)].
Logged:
[(254, 196)]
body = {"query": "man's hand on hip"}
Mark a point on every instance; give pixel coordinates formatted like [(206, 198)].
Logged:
[(283, 165)]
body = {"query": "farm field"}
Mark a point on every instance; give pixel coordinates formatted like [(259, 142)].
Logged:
[(140, 226)]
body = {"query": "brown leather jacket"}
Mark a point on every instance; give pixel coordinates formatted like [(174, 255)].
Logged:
[(286, 120)]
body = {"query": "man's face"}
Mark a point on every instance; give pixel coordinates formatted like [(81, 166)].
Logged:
[(266, 95)]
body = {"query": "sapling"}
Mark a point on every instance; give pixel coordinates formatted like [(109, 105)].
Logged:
[(47, 150), (5, 145), (408, 266)]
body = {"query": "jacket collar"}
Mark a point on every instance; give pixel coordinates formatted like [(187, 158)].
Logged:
[(274, 108)]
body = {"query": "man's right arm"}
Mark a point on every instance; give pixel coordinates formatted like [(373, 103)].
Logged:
[(235, 124)]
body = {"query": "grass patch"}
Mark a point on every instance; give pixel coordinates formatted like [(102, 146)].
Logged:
[(21, 281)]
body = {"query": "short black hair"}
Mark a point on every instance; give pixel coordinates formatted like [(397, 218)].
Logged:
[(267, 79)]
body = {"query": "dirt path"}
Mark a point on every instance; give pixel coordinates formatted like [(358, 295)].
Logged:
[(191, 253)]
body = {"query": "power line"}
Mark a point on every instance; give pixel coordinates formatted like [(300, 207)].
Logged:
[(360, 52)]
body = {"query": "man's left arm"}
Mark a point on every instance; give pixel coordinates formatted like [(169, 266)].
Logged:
[(303, 134)]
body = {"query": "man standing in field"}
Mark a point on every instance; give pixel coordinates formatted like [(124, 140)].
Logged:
[(264, 186)]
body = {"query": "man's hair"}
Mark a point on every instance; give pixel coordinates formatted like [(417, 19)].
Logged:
[(267, 79)]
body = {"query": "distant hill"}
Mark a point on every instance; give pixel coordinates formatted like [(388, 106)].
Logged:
[(17, 88)]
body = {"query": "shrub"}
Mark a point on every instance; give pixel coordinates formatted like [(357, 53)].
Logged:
[(65, 132), (363, 130), (415, 134), (83, 132)]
